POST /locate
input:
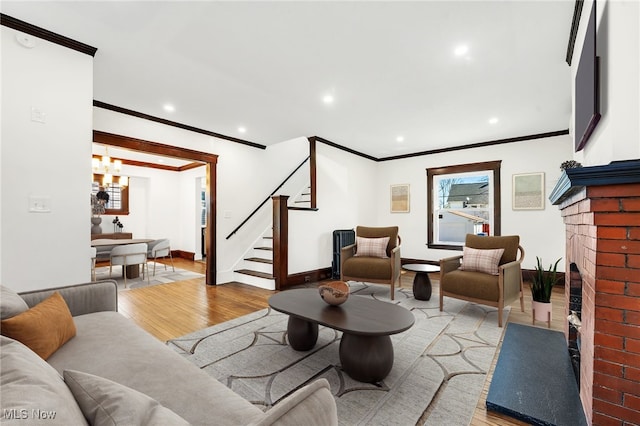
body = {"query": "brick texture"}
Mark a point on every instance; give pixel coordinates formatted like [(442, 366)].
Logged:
[(603, 240)]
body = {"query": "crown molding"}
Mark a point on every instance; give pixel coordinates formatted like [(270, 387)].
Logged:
[(25, 27), (121, 110)]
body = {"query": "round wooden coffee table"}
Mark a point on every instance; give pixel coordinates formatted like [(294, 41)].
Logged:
[(421, 282)]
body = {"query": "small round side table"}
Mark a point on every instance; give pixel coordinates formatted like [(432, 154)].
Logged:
[(421, 282)]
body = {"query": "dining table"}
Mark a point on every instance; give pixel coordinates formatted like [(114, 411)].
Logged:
[(132, 271)]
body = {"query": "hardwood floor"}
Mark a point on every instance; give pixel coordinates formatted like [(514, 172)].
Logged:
[(172, 310)]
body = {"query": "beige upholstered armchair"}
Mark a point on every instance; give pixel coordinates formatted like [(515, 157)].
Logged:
[(484, 274), (374, 258)]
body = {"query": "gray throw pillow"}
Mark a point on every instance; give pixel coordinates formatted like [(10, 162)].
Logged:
[(11, 304), (32, 390), (105, 402)]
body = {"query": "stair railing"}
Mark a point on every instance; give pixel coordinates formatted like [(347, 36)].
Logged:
[(267, 199)]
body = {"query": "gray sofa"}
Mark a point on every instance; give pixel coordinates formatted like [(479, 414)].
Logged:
[(112, 347)]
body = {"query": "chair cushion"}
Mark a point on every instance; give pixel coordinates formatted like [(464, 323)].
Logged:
[(104, 402), (43, 328), (471, 284), (481, 260), (367, 267), (509, 243), (377, 232), (11, 304), (29, 383), (372, 247)]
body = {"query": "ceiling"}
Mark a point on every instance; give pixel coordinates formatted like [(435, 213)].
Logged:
[(398, 86)]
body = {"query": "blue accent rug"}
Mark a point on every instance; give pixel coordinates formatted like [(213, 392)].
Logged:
[(533, 379)]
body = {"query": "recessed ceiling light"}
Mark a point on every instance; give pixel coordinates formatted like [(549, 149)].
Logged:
[(400, 139), (327, 99), (169, 107), (461, 50), (493, 120), (242, 129)]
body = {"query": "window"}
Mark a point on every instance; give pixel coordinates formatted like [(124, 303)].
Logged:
[(461, 200), (118, 203)]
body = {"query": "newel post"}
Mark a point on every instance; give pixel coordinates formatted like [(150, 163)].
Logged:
[(280, 240)]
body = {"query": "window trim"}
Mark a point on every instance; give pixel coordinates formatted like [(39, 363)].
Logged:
[(488, 166), (124, 197)]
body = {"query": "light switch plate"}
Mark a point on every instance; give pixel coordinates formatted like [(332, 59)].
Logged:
[(39, 204), (38, 115)]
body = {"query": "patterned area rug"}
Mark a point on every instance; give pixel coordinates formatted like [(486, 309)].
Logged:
[(162, 276), (439, 370)]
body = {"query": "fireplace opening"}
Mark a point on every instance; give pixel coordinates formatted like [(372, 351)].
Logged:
[(574, 318)]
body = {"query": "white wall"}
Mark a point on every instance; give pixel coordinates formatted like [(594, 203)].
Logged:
[(346, 198), (541, 231), (43, 250), (617, 136)]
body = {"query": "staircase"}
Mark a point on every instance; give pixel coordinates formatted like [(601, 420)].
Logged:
[(303, 200), (257, 268)]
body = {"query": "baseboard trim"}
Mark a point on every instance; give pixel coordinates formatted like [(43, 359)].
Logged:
[(527, 274), (308, 276), (183, 254)]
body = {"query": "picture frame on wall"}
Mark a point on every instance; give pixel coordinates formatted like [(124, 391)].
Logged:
[(400, 198), (528, 191)]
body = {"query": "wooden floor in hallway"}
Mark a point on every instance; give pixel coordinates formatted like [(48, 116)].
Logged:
[(171, 310)]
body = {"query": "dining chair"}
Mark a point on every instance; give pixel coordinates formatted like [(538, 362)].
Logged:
[(94, 252), (160, 249), (128, 255)]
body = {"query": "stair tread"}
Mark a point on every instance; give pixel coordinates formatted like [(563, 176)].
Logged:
[(259, 259), (264, 248), (255, 273)]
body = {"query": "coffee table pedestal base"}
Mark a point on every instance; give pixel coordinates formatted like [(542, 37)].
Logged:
[(302, 334), (367, 359), (422, 286)]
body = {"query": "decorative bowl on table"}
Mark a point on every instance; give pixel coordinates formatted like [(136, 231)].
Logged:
[(334, 293)]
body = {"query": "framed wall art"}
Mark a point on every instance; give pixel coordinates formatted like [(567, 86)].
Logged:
[(528, 191), (400, 198)]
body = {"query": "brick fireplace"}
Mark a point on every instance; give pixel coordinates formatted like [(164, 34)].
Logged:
[(600, 206)]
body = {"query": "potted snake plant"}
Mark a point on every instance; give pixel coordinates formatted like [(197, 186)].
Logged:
[(541, 286)]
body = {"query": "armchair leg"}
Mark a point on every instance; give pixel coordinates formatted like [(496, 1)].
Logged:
[(441, 299), (393, 290), (499, 316)]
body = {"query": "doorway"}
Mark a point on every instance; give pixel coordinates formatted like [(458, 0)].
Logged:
[(210, 160)]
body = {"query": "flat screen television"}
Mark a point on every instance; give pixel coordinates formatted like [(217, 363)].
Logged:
[(587, 86)]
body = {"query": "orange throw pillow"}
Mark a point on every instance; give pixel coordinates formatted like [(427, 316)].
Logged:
[(43, 328)]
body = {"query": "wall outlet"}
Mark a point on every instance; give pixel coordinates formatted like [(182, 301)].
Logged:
[(307, 279)]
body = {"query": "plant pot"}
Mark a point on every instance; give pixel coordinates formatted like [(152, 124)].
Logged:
[(542, 312), (96, 228)]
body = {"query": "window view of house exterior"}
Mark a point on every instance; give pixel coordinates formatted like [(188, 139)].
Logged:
[(463, 206)]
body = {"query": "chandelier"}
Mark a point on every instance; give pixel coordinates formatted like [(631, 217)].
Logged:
[(108, 169)]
